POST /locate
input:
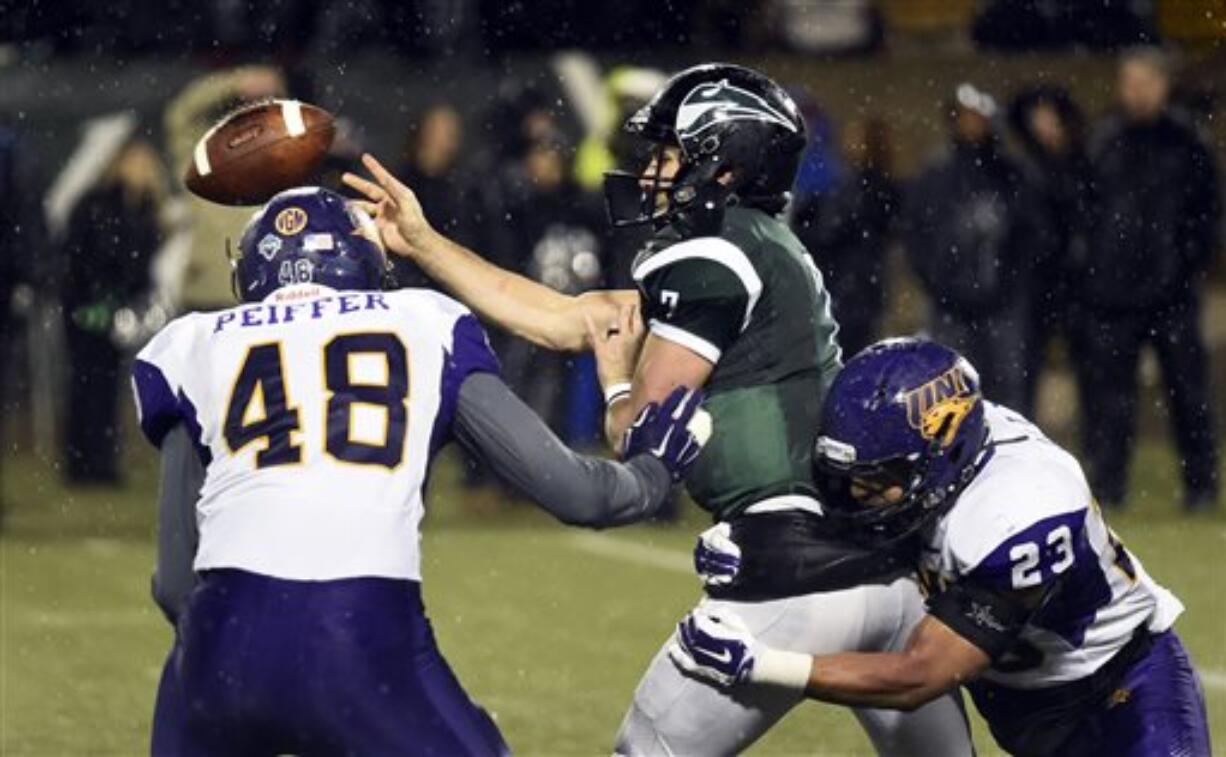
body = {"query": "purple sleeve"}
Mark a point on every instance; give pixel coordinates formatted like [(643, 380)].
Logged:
[(1036, 555), (156, 403), (470, 353), (1054, 557), (161, 408)]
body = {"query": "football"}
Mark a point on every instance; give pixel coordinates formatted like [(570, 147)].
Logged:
[(260, 150)]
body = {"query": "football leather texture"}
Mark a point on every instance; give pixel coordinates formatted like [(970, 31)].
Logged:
[(260, 150)]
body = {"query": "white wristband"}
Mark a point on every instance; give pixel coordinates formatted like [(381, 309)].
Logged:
[(776, 667), (615, 392)]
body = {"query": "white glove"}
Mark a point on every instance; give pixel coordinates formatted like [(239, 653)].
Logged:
[(716, 646), (717, 558)]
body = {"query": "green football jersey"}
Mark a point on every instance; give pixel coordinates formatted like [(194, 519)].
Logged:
[(753, 303)]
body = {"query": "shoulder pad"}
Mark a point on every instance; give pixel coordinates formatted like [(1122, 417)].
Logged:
[(704, 261)]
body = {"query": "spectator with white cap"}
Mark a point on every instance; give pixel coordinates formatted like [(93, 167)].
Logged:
[(969, 230)]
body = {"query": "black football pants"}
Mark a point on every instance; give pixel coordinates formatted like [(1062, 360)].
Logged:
[(1113, 342), (997, 343), (92, 436)]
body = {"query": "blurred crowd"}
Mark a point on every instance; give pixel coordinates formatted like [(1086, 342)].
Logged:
[(1036, 231), (222, 30)]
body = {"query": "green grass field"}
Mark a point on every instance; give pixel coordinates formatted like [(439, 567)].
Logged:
[(548, 627)]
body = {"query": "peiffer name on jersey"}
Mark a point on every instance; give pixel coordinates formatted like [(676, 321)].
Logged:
[(316, 413), (1028, 523)]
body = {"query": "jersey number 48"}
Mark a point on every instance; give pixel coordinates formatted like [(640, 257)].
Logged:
[(275, 420)]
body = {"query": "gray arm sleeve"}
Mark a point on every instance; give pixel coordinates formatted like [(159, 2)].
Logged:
[(181, 478), (577, 489)]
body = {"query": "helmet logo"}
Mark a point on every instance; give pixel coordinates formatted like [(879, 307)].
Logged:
[(269, 246), (720, 102), (939, 406), (290, 221), (945, 417)]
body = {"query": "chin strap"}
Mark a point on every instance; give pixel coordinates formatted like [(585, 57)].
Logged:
[(702, 214)]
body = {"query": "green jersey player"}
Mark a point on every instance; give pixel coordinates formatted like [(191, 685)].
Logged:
[(731, 301)]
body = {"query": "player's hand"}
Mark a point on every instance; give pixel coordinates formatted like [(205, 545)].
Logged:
[(673, 431), (616, 345), (715, 647), (393, 206), (717, 558)]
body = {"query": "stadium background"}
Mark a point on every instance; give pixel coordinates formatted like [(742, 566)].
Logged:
[(549, 628)]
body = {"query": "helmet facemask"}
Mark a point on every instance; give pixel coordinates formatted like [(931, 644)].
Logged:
[(634, 199), (693, 199), (856, 492)]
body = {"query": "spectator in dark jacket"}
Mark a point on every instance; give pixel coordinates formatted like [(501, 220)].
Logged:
[(432, 168), (553, 234), (112, 235), (19, 241), (970, 230), (1156, 235), (848, 232), (1051, 129), (538, 222)]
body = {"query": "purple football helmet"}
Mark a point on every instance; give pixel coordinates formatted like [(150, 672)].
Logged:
[(904, 414), (308, 234)]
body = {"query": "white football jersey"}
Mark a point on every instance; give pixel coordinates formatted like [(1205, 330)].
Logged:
[(316, 413), (1025, 520)]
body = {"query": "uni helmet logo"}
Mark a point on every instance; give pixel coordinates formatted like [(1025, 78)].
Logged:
[(719, 102), (940, 405), (290, 221)]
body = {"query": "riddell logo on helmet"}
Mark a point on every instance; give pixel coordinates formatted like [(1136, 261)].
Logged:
[(939, 406)]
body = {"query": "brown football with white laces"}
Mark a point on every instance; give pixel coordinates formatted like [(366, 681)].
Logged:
[(260, 150)]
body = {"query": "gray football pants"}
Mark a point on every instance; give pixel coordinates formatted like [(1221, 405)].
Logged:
[(673, 714)]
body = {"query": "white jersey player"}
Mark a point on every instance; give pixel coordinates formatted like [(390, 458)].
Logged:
[(1063, 640), (313, 411)]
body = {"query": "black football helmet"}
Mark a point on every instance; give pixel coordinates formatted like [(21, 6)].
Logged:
[(726, 119)]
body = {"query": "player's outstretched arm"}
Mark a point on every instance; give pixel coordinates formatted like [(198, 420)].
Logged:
[(577, 489), (516, 303), (720, 649)]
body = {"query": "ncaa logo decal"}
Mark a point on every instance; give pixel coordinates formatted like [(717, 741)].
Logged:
[(269, 246), (290, 221), (940, 406)]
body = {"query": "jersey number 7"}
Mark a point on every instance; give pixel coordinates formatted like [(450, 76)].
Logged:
[(276, 420)]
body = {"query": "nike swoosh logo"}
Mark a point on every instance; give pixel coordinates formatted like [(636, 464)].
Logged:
[(726, 657), (659, 451)]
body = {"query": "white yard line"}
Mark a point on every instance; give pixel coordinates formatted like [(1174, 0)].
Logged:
[(1213, 679), (633, 553)]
